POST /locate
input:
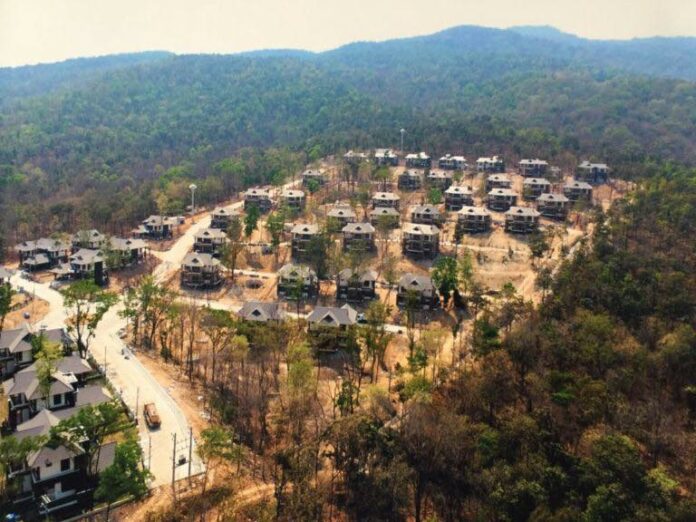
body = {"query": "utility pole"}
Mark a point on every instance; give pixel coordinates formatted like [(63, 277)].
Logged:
[(174, 464), (190, 452), (137, 397), (149, 451)]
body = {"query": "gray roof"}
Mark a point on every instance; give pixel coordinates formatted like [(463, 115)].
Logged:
[(417, 155), (124, 244), (536, 181), (316, 173), (459, 189), (522, 211), (92, 395), (225, 211), (290, 193), (417, 228), (500, 178), (502, 192), (449, 157), (38, 259), (53, 454), (305, 228), (439, 174), (533, 162), (341, 211), (366, 275), (416, 282), (425, 209), (106, 455), (74, 364), (493, 159), (257, 192), (474, 211), (157, 220), (577, 185), (552, 197), (589, 165), (412, 173), (333, 316), (293, 271), (14, 340), (358, 228), (194, 259), (384, 211), (44, 243), (88, 235), (86, 256), (261, 311), (213, 233), (385, 196)]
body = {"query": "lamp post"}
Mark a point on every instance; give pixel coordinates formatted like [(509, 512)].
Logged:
[(192, 188), (402, 131)]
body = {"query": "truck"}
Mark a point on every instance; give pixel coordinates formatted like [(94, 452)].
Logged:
[(152, 418)]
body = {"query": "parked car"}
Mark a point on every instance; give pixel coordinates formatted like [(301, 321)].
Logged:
[(152, 418)]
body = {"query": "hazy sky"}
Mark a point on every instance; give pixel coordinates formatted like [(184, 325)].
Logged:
[(33, 31)]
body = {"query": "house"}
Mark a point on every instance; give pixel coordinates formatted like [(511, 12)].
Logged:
[(385, 199), (471, 220), (494, 164), (458, 196), (498, 181), (449, 162), (594, 173), (88, 239), (200, 271), (302, 234), (341, 215), (293, 199), (532, 168), (42, 253), (52, 475), (410, 180), (356, 286), (554, 206), (416, 291), (358, 237), (521, 220), (578, 191), (418, 161), (5, 276), (259, 198), (387, 215), (221, 217), (15, 350), (209, 241), (501, 199), (261, 312), (158, 227), (426, 214), (87, 263), (532, 188), (386, 158), (297, 279), (329, 326), (420, 240), (126, 252), (318, 175), (440, 179), (355, 158)]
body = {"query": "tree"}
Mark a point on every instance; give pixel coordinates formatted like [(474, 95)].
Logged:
[(13, 453), (88, 428), (251, 220), (6, 295), (445, 277), (434, 196), (46, 355), (317, 254), (86, 304), (219, 327), (274, 225), (125, 477), (233, 248), (216, 446), (374, 336)]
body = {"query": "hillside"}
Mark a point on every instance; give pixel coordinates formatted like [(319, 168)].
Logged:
[(111, 124)]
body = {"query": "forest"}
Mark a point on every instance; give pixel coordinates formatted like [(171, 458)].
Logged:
[(91, 139)]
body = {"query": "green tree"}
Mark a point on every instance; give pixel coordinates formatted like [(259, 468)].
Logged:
[(86, 303), (217, 446), (6, 295), (251, 220), (434, 196), (445, 277)]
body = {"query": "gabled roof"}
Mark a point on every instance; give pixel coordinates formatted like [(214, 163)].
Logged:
[(385, 153), (291, 193), (346, 275), (412, 173), (341, 211), (416, 228), (502, 192), (333, 316), (53, 454), (305, 228), (384, 211), (212, 233), (358, 228), (257, 192), (553, 197), (44, 243), (536, 181), (385, 196), (14, 340), (589, 165), (439, 174), (449, 157), (425, 209), (536, 162), (315, 173), (74, 364), (261, 311), (522, 211), (577, 185), (37, 260), (92, 395), (293, 271), (202, 260), (459, 189), (500, 178), (86, 256), (157, 220), (474, 211), (493, 159), (224, 211), (418, 283), (418, 155), (88, 235), (125, 244)]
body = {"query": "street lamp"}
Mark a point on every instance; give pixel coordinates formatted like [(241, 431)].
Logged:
[(402, 131), (192, 188)]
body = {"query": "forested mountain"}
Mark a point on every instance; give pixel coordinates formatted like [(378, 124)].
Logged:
[(110, 126)]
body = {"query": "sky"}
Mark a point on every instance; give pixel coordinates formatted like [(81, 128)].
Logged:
[(39, 31)]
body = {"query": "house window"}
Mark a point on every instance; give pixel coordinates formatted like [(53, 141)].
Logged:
[(57, 399), (65, 465)]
